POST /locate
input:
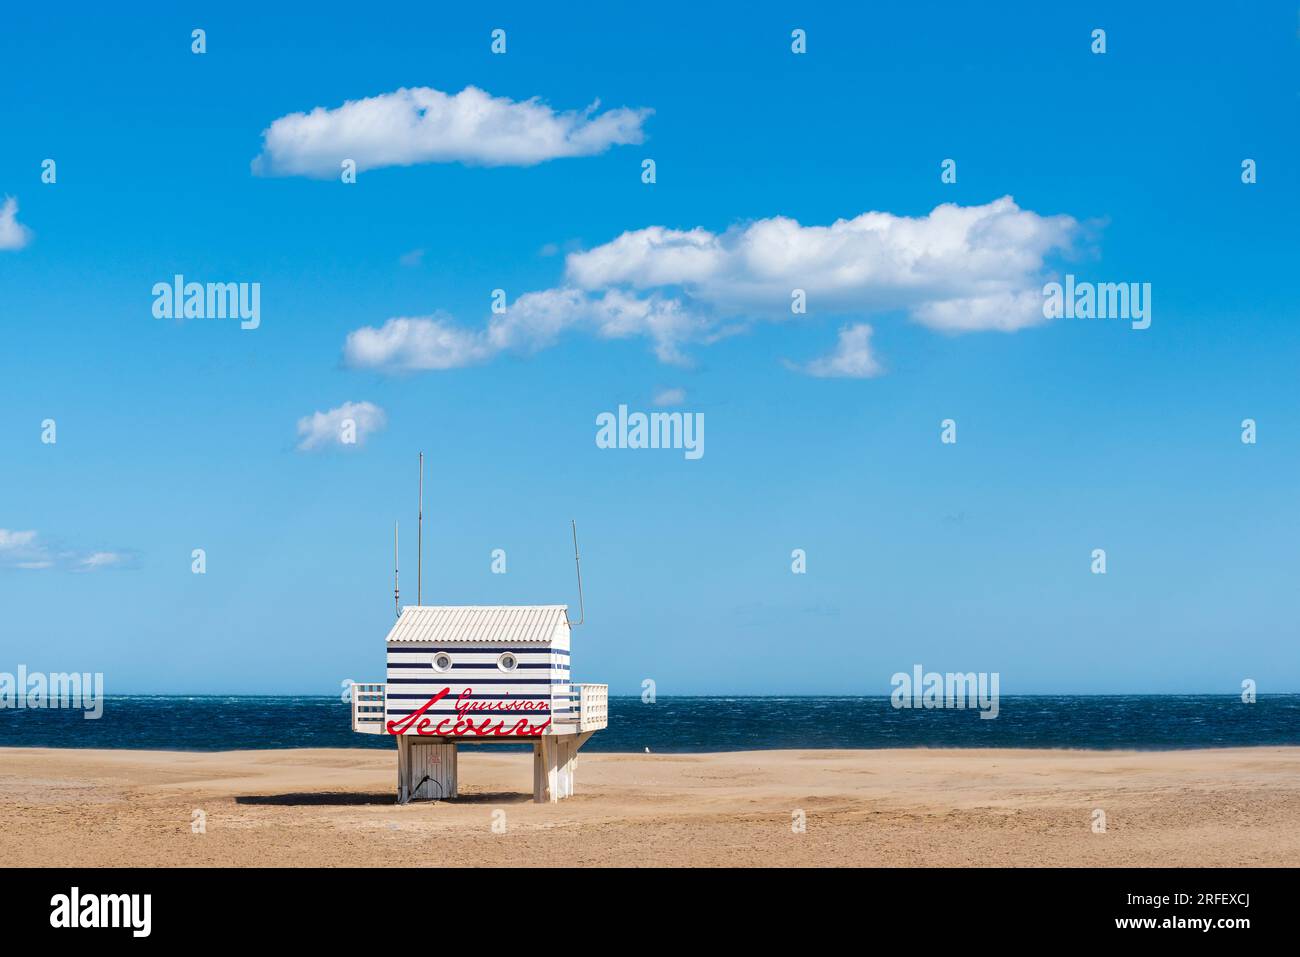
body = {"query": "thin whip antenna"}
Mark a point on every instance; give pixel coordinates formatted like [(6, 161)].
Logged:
[(419, 538), (397, 586), (582, 611)]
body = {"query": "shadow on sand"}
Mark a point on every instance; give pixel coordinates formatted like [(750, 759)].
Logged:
[(493, 797), (333, 798)]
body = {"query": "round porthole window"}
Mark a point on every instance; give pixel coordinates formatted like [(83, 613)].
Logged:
[(507, 662), (442, 661)]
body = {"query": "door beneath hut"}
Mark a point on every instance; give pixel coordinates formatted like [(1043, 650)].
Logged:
[(430, 769)]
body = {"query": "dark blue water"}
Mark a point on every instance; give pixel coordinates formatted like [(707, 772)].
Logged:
[(699, 724)]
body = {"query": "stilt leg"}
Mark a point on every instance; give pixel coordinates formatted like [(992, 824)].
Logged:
[(565, 757), (454, 778), (546, 770), (575, 742), (403, 769), (539, 773)]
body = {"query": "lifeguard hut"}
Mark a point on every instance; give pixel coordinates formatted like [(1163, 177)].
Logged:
[(477, 675)]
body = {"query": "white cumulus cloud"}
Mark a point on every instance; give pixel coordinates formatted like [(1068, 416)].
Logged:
[(347, 425), (669, 397), (957, 269), (536, 320), (423, 125), (414, 344), (13, 234), (532, 322), (851, 358)]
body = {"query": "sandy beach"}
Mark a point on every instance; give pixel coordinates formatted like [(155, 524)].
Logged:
[(325, 807)]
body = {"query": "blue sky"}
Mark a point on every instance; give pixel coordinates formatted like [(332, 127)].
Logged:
[(1072, 434)]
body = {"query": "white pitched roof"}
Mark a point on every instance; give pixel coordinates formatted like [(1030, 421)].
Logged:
[(498, 623)]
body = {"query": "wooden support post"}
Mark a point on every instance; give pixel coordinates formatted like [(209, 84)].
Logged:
[(574, 742), (546, 783), (554, 760), (539, 774), (403, 769), (454, 778), (567, 753)]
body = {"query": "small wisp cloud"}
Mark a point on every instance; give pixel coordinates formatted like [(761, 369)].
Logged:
[(26, 550), (347, 425), (13, 234), (97, 560), (851, 358)]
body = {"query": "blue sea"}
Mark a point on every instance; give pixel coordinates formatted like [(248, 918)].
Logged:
[(693, 724)]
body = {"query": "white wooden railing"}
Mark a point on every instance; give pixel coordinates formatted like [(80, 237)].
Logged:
[(368, 708), (593, 706)]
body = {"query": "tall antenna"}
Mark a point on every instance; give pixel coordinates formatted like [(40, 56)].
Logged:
[(397, 589), (419, 538), (582, 611)]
